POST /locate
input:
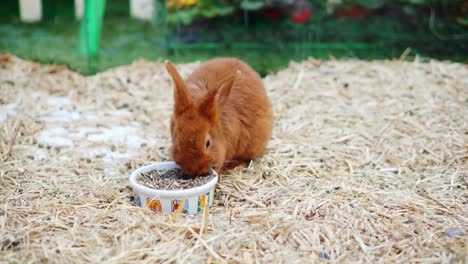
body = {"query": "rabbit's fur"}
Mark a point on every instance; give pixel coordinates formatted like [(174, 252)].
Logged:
[(222, 116)]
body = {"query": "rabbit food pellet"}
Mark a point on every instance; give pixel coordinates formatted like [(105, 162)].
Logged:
[(173, 179)]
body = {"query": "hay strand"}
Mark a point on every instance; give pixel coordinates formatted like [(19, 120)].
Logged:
[(179, 210)]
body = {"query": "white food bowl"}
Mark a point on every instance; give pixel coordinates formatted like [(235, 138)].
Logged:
[(167, 201)]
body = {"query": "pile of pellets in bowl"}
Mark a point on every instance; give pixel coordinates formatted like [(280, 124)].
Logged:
[(172, 179)]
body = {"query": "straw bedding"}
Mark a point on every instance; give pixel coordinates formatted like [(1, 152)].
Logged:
[(368, 163)]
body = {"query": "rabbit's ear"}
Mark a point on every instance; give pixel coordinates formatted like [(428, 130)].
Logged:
[(224, 91), (217, 98), (182, 98)]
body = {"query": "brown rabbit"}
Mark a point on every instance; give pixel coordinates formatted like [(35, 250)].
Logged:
[(222, 116)]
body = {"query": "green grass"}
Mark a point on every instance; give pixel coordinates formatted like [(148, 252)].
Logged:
[(57, 42), (267, 46)]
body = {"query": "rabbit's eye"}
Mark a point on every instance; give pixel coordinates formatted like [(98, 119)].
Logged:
[(208, 143)]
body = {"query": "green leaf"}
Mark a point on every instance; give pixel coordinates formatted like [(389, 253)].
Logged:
[(463, 21), (210, 12), (418, 2), (183, 16), (251, 5), (409, 10), (371, 4), (225, 10), (205, 4)]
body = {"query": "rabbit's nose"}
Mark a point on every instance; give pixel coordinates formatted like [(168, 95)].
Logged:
[(193, 171), (202, 171)]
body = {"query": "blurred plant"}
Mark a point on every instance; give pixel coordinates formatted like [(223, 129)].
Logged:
[(410, 7), (180, 3), (185, 11)]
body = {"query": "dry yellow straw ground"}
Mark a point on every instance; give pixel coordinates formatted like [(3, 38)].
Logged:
[(368, 163)]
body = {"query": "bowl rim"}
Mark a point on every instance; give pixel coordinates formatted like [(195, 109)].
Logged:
[(150, 192)]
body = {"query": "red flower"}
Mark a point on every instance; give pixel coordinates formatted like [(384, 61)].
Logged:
[(271, 14), (353, 12), (301, 16)]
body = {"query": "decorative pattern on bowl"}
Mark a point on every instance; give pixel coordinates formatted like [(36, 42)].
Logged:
[(168, 201)]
